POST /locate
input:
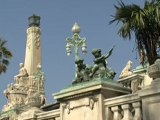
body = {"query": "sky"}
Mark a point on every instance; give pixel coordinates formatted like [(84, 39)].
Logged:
[(57, 19)]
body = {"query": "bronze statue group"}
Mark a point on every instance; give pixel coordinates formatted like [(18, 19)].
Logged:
[(100, 68)]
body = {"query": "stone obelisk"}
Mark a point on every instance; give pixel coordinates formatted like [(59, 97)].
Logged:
[(27, 93), (33, 63), (33, 46)]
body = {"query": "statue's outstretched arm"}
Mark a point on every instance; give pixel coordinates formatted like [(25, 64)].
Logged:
[(110, 53)]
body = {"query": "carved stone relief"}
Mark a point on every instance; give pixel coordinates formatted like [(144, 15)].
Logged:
[(80, 109), (29, 41), (37, 40), (89, 102)]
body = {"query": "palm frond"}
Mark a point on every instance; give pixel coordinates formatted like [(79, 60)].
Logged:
[(144, 22), (5, 55)]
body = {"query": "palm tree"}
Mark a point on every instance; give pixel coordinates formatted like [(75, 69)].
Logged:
[(5, 55), (144, 24)]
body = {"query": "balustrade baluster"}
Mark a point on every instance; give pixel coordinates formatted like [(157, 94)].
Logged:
[(116, 113), (127, 113), (137, 108)]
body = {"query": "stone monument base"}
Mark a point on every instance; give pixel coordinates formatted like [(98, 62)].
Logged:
[(151, 101), (30, 114), (84, 101)]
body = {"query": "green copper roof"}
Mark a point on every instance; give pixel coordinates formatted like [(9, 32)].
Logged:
[(87, 84), (140, 68), (91, 85)]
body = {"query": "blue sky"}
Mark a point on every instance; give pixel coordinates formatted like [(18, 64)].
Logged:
[(57, 19)]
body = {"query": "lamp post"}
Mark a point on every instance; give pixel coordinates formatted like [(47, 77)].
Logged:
[(76, 42)]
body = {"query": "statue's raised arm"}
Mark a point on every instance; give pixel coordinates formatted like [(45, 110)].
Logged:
[(109, 53)]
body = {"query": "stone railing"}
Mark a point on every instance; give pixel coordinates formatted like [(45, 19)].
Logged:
[(127, 107), (134, 82), (49, 115)]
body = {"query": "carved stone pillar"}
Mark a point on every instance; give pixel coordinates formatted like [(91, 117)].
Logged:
[(33, 49), (137, 108), (116, 113), (127, 113)]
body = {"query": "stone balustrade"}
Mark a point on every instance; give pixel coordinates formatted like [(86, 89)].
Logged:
[(133, 82), (49, 115), (127, 107)]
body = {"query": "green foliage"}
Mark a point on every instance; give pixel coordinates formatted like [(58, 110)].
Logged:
[(5, 56), (144, 23)]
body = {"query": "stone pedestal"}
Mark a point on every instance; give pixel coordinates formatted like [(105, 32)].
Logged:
[(151, 94), (84, 101), (29, 114), (151, 101)]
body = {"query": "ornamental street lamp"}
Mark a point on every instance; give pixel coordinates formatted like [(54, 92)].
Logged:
[(76, 42)]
